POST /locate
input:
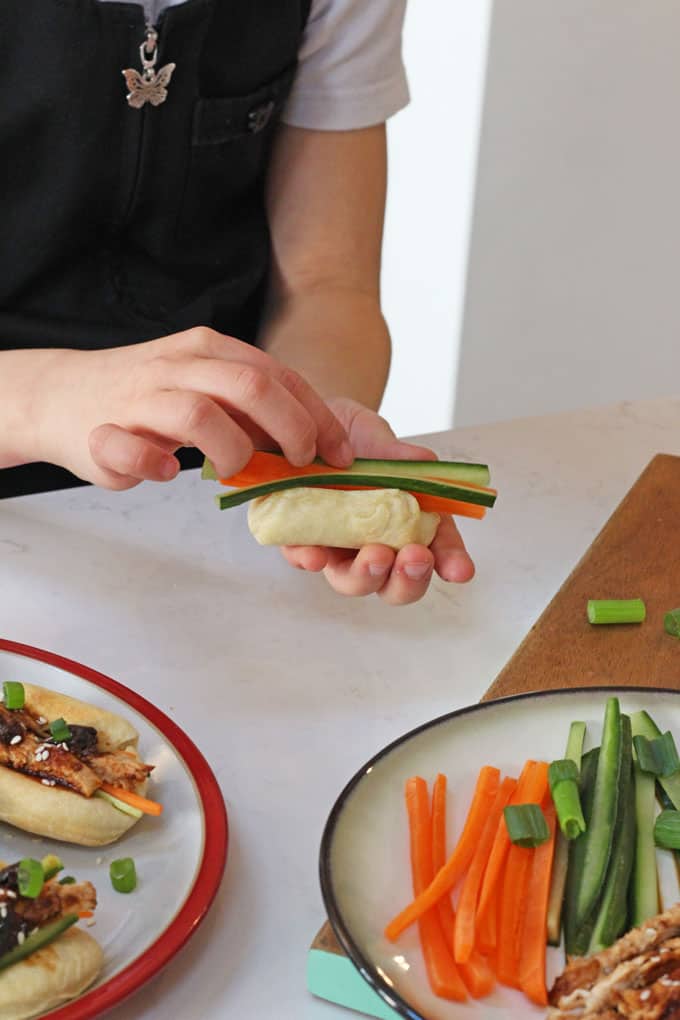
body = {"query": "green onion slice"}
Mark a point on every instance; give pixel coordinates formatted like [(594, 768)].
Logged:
[(671, 622), (563, 777), (51, 865), (123, 875), (667, 830), (14, 694), (526, 824), (67, 880), (60, 731), (658, 756), (30, 877), (616, 610)]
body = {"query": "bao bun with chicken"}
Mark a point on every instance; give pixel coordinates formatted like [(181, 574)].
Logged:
[(45, 959), (57, 756)]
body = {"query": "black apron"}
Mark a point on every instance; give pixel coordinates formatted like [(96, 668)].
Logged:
[(119, 225)]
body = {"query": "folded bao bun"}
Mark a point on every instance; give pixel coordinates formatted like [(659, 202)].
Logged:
[(348, 520), (50, 976), (54, 811)]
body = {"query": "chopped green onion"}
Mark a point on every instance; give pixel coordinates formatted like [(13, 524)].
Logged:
[(577, 735), (526, 824), (123, 875), (67, 880), (616, 610), (658, 755), (14, 694), (60, 731), (127, 809), (51, 865), (671, 622), (667, 830), (563, 777), (30, 877)]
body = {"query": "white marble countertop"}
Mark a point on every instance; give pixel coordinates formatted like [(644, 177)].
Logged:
[(294, 686)]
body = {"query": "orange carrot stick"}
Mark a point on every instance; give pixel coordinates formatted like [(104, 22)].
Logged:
[(534, 936), (531, 788), (485, 934), (85, 913), (457, 864), (464, 939), (149, 807), (477, 973), (512, 904), (441, 970)]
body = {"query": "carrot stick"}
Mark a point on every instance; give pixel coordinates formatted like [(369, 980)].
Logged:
[(149, 807), (456, 866), (485, 935), (441, 970), (531, 788), (534, 936), (464, 939), (85, 913), (512, 903), (476, 973)]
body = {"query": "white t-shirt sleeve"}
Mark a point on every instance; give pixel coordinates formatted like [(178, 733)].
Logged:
[(350, 72)]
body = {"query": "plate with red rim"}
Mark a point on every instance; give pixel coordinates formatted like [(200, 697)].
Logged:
[(364, 858), (180, 857)]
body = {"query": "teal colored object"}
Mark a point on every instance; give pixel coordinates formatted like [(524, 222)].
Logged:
[(335, 978)]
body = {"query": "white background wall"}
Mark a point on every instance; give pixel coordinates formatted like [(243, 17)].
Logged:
[(432, 153), (573, 294)]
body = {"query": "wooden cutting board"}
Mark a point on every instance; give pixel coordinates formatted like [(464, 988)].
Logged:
[(635, 555)]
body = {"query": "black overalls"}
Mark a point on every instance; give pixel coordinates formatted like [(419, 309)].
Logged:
[(117, 224)]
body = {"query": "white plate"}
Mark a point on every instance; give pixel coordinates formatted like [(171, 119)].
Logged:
[(179, 856), (364, 862)]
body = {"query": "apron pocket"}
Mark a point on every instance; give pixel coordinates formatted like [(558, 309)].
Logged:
[(230, 143)]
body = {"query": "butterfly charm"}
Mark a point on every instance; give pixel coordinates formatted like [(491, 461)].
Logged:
[(147, 86)]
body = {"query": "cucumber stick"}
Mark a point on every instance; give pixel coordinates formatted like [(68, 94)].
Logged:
[(558, 879), (645, 883), (599, 833), (577, 938), (612, 911), (459, 491), (448, 470)]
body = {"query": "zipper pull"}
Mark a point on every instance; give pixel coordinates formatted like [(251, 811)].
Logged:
[(149, 85)]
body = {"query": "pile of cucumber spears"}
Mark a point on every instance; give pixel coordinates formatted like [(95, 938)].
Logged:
[(604, 877)]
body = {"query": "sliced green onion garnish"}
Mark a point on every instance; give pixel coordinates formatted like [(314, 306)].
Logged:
[(127, 809), (526, 824), (563, 777), (67, 880), (616, 610), (577, 735), (51, 865), (667, 830), (30, 877), (658, 756), (13, 693), (60, 731), (123, 875), (671, 622)]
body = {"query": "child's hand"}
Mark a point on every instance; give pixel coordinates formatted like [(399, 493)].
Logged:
[(115, 417), (401, 577)]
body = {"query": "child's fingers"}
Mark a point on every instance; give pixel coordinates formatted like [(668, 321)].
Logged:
[(451, 559), (410, 576), (359, 573), (306, 557), (126, 458)]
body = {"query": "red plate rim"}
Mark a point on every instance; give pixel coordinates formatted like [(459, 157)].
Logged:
[(213, 860)]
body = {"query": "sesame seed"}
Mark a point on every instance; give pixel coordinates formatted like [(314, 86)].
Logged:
[(90, 922), (10, 894), (654, 959), (3, 911), (645, 995), (99, 860), (42, 720), (17, 739), (48, 782), (650, 931), (34, 930), (21, 937)]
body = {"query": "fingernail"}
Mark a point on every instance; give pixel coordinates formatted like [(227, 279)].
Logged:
[(417, 571), (377, 569), (169, 468)]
